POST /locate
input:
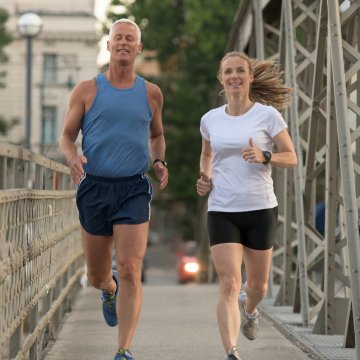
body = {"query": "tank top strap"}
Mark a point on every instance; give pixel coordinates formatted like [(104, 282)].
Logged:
[(144, 93), (100, 81)]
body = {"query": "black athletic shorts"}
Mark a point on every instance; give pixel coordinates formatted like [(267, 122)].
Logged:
[(104, 202), (253, 229)]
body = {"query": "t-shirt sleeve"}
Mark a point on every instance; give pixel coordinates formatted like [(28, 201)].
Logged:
[(275, 122), (203, 128)]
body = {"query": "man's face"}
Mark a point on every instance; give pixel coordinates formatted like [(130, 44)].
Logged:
[(123, 45)]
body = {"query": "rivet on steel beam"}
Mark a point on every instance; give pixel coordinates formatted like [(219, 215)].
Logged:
[(330, 267), (354, 271), (331, 178), (339, 93), (343, 145), (358, 331), (29, 154), (358, 318), (329, 326), (329, 303), (329, 315), (349, 210), (7, 150), (344, 156), (331, 193), (330, 253), (333, 24), (334, 34), (338, 83)]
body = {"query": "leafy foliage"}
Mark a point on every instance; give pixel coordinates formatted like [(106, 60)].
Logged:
[(5, 39), (189, 37)]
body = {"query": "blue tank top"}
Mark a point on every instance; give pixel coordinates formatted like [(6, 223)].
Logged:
[(116, 130)]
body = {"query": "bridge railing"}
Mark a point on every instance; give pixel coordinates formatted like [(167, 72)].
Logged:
[(41, 254)]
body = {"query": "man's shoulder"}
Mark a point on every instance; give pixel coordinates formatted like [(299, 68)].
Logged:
[(153, 90), (84, 89), (86, 85)]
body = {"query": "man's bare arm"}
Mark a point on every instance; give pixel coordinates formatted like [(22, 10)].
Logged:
[(157, 140), (71, 130)]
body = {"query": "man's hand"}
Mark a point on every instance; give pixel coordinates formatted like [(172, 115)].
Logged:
[(253, 154), (203, 185), (162, 173), (76, 168)]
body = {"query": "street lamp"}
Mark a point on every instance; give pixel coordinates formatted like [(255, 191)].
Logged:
[(29, 26)]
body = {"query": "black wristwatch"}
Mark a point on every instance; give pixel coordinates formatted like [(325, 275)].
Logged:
[(161, 160), (267, 156)]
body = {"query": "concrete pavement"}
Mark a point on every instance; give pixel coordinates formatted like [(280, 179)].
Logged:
[(176, 322)]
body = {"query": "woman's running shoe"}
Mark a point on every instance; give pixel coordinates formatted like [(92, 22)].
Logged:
[(109, 304), (123, 354), (249, 323), (232, 354)]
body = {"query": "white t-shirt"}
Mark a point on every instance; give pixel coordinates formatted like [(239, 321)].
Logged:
[(238, 185)]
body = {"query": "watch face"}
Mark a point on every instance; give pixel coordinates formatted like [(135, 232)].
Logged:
[(267, 155)]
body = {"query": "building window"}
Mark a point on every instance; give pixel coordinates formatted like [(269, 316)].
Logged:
[(50, 68), (49, 125)]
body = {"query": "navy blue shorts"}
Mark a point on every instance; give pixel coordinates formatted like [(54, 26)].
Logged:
[(104, 202)]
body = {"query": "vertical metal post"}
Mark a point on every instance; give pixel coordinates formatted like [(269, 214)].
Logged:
[(304, 293), (330, 204), (346, 165), (39, 177), (33, 323), (28, 92), (259, 29), (16, 341), (3, 167), (49, 179), (20, 174)]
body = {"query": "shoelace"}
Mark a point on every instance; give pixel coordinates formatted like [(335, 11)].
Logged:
[(234, 349), (110, 304), (251, 320), (127, 357)]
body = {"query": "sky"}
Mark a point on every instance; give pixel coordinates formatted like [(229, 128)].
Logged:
[(100, 9)]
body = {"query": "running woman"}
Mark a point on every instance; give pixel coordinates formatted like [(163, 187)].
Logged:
[(119, 114), (237, 141)]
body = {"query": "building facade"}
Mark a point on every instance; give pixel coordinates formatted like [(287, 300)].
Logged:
[(64, 54)]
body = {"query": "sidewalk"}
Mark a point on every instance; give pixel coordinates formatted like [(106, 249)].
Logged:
[(176, 322), (326, 347)]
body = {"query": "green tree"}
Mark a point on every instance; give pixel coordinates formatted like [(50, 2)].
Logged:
[(189, 37), (5, 39)]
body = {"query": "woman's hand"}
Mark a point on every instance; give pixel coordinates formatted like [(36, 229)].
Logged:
[(203, 185), (253, 154)]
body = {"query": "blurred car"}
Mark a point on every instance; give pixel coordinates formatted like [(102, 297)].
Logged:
[(143, 267), (187, 265)]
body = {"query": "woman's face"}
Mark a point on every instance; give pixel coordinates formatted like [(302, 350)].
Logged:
[(235, 76)]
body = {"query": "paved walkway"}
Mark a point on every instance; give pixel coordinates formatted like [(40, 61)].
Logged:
[(176, 322)]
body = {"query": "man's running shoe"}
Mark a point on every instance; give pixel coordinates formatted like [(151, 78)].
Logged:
[(109, 304), (123, 354), (249, 323), (232, 354)]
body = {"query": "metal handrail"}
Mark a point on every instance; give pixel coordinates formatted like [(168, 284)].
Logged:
[(41, 254)]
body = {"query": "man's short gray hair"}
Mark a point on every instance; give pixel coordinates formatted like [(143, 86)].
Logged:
[(138, 31)]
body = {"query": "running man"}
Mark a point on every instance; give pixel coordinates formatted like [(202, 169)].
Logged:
[(119, 114)]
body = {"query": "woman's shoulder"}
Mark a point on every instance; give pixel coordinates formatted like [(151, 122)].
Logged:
[(213, 112)]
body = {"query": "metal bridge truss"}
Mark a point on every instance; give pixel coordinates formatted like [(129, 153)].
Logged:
[(317, 46)]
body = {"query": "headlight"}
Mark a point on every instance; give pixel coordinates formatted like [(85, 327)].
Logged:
[(192, 267)]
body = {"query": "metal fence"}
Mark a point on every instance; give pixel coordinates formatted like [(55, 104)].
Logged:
[(317, 43), (41, 254)]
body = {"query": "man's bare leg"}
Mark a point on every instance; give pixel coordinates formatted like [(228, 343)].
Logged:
[(98, 256), (130, 247)]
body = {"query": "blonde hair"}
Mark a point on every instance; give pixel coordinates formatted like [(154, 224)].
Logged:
[(267, 87)]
